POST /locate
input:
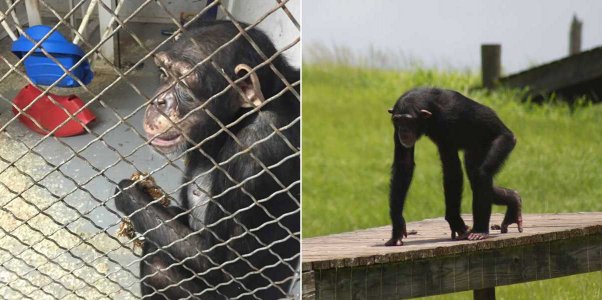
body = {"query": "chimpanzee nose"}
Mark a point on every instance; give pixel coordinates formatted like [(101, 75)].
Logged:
[(163, 100)]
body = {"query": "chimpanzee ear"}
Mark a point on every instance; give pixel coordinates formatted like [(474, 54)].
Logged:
[(250, 87), (390, 110), (425, 114)]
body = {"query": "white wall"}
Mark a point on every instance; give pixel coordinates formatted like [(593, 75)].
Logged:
[(278, 25)]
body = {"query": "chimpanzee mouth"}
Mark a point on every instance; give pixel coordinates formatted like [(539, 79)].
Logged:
[(167, 139)]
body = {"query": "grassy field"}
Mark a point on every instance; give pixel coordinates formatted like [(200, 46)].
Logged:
[(347, 152)]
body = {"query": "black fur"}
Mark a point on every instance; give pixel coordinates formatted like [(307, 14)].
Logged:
[(243, 224), (455, 123)]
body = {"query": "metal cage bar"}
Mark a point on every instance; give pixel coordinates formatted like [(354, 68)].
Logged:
[(57, 260)]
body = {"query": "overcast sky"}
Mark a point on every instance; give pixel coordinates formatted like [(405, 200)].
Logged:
[(446, 34)]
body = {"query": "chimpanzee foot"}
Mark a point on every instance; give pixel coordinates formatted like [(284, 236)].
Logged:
[(476, 236), (458, 234), (396, 239), (504, 227), (473, 236), (394, 242), (399, 232), (513, 215)]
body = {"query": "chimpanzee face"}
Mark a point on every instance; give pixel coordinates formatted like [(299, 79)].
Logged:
[(164, 121), (180, 114), (409, 127)]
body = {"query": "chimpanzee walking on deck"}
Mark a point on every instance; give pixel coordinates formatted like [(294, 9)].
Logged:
[(453, 122)]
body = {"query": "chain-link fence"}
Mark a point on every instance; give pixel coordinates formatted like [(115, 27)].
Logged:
[(148, 150)]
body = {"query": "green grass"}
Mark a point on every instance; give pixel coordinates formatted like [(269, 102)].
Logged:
[(347, 152)]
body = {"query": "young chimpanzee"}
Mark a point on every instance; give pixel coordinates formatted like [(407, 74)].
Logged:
[(237, 232), (453, 122)]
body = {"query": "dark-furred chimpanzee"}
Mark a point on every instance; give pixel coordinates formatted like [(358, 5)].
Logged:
[(453, 122), (237, 232)]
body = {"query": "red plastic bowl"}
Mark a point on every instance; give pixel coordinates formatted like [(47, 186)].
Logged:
[(50, 115)]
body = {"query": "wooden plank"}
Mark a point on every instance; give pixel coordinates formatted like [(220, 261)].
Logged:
[(448, 270), (552, 246), (418, 279), (461, 276), (308, 285), (595, 254), (481, 270), (374, 281), (326, 285), (343, 283), (484, 294), (478, 270), (559, 74), (404, 279), (508, 266), (365, 247), (390, 280), (536, 262), (358, 279)]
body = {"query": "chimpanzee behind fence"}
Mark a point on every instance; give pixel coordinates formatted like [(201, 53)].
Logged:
[(246, 242)]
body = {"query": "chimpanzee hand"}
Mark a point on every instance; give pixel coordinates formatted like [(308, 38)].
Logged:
[(130, 197)]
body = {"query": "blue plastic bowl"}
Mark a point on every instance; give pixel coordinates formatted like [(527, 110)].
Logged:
[(41, 69)]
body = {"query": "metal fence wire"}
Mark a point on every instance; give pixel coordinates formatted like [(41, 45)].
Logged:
[(186, 184)]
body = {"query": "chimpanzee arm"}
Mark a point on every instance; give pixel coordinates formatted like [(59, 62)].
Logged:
[(135, 203), (452, 186), (402, 171)]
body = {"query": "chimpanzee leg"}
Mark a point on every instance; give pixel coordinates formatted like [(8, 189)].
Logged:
[(497, 154), (162, 279), (481, 167), (512, 200), (452, 186), (482, 196)]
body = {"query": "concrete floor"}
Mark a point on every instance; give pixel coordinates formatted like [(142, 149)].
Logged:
[(82, 185), (117, 139)]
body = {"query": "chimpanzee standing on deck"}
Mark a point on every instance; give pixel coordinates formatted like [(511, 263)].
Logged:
[(453, 122)]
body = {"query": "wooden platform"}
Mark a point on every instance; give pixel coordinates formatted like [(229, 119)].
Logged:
[(578, 74), (357, 265)]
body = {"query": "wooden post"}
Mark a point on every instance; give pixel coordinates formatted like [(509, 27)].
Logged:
[(105, 21), (33, 12), (575, 36), (491, 60), (484, 294)]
